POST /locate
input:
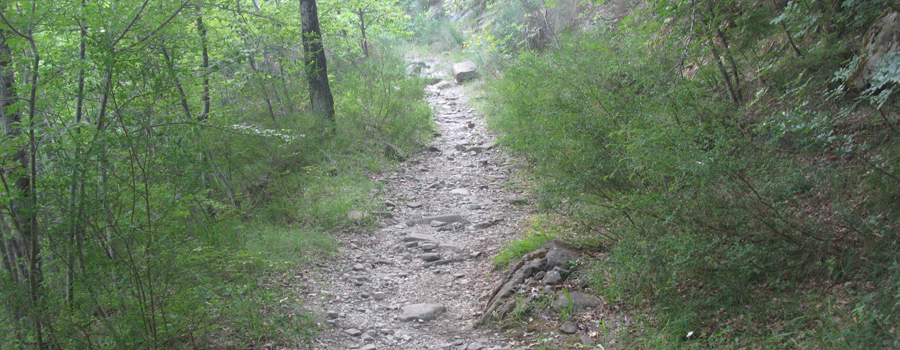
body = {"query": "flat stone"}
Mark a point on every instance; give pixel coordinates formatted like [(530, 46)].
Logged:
[(443, 85), (378, 296), (353, 332), (578, 301), (414, 205), (431, 257), (473, 206), (460, 191), (428, 246), (481, 148), (359, 267), (436, 223), (447, 218), (475, 346), (424, 312), (568, 327), (486, 224), (368, 347), (419, 237), (516, 200)]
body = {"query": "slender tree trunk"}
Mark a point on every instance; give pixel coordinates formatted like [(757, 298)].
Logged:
[(265, 90), (734, 68), (320, 96), (181, 94), (204, 69), (723, 72), (76, 190), (364, 42)]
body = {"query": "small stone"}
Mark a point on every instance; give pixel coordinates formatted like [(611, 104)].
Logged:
[(437, 223), (368, 347), (552, 277), (367, 338), (383, 262), (459, 275), (473, 206), (378, 296), (586, 340), (389, 204), (448, 218), (394, 152), (516, 200), (428, 246), (353, 332), (359, 267), (419, 237), (568, 327), (364, 295), (475, 254), (475, 346), (331, 314), (430, 257), (402, 274), (372, 333), (414, 205), (356, 215)]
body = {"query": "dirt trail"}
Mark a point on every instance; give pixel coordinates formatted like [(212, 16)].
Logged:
[(365, 295)]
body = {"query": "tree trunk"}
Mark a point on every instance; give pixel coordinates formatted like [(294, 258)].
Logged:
[(364, 42), (204, 69), (316, 68)]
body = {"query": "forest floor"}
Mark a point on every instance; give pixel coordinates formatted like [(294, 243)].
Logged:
[(421, 279)]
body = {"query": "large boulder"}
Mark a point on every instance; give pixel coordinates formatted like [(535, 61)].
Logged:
[(465, 71), (879, 51)]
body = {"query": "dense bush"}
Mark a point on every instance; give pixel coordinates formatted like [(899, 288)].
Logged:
[(715, 207)]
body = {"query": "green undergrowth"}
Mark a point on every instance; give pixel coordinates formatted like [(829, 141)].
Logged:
[(534, 237), (209, 232), (762, 224)]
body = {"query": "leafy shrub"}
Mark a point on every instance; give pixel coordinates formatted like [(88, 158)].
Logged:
[(707, 206)]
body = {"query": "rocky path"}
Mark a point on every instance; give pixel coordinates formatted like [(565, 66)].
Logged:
[(421, 281)]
